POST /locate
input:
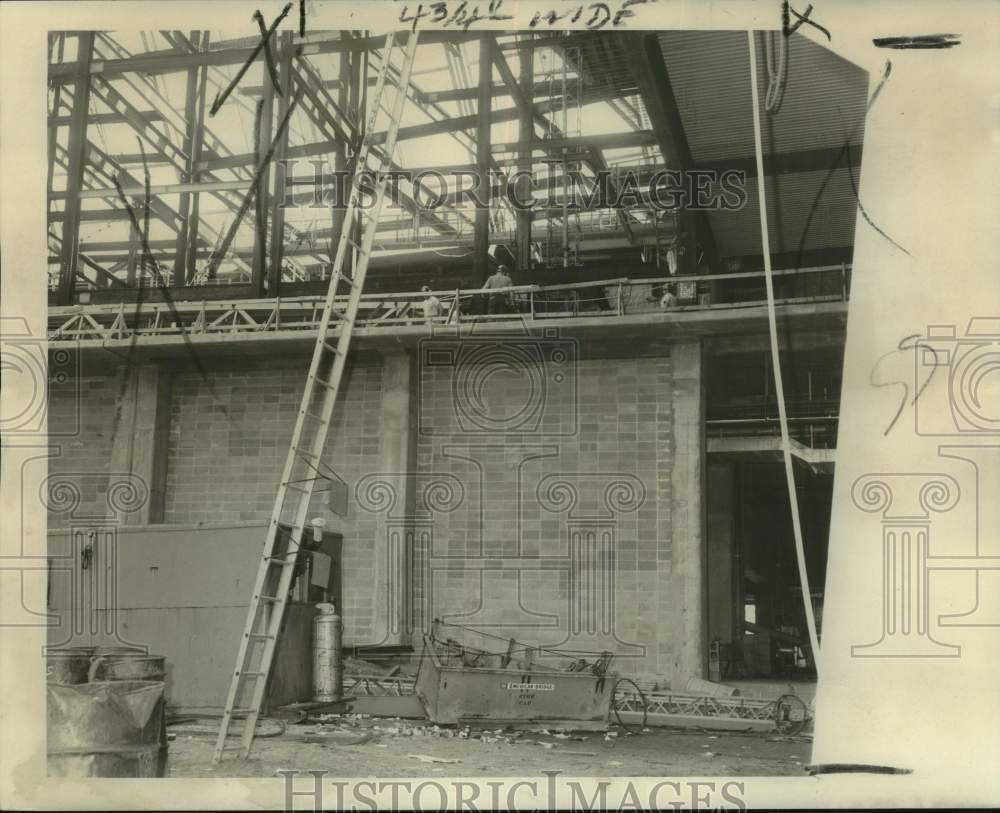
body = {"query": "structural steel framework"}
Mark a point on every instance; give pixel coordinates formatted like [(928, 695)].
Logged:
[(153, 147)]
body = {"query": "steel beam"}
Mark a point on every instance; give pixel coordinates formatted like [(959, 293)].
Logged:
[(193, 119), (584, 143), (284, 58), (262, 196), (197, 145), (525, 132), (538, 89), (106, 118), (650, 73), (170, 61), (481, 233), (338, 214), (77, 145)]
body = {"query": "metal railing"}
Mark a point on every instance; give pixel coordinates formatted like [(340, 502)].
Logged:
[(608, 298)]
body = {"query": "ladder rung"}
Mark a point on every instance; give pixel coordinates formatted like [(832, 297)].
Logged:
[(259, 635), (267, 598), (235, 747), (323, 382), (281, 560), (306, 452), (331, 347), (251, 674), (315, 417), (239, 712), (296, 487)]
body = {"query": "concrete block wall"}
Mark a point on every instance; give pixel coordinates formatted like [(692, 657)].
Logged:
[(228, 440), (81, 419), (562, 532), (226, 445), (564, 513)]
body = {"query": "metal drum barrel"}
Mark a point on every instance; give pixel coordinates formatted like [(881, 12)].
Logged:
[(108, 729), (68, 664), (109, 650), (129, 666)]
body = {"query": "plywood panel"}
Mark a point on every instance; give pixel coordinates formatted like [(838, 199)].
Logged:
[(200, 646)]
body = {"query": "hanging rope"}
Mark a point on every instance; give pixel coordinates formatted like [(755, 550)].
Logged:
[(786, 447)]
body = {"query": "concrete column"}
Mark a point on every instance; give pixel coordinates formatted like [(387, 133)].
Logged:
[(721, 539), (396, 464), (142, 429), (688, 564)]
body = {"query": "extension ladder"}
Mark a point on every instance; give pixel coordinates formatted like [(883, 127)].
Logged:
[(303, 464)]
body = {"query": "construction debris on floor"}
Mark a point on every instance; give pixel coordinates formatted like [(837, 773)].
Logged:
[(362, 745)]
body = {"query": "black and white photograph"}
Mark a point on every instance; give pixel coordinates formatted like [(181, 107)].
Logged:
[(499, 405)]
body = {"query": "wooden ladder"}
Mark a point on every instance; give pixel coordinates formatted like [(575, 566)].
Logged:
[(304, 463)]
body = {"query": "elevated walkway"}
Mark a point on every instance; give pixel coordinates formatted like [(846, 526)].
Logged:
[(601, 310)]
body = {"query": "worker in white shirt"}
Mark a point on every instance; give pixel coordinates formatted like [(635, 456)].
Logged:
[(499, 303), (669, 300), (431, 305)]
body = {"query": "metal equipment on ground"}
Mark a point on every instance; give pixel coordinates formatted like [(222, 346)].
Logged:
[(463, 685)]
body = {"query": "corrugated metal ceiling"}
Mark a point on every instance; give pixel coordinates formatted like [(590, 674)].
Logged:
[(802, 214), (823, 103), (823, 106)]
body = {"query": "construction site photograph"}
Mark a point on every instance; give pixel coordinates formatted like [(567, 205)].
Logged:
[(443, 401)]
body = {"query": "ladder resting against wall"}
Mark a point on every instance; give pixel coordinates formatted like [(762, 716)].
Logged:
[(304, 464)]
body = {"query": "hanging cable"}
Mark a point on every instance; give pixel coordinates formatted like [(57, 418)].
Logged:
[(776, 70), (775, 364)]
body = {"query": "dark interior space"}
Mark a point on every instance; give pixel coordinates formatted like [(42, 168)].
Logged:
[(756, 613)]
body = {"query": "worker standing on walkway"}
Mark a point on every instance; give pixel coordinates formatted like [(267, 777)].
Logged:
[(499, 302), (431, 305)]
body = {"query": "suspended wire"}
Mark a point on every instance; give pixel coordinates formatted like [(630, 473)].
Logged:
[(777, 69)]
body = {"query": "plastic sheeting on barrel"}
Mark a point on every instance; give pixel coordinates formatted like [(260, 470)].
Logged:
[(68, 664), (114, 729)]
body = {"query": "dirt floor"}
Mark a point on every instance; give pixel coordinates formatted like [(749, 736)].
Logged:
[(353, 746)]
